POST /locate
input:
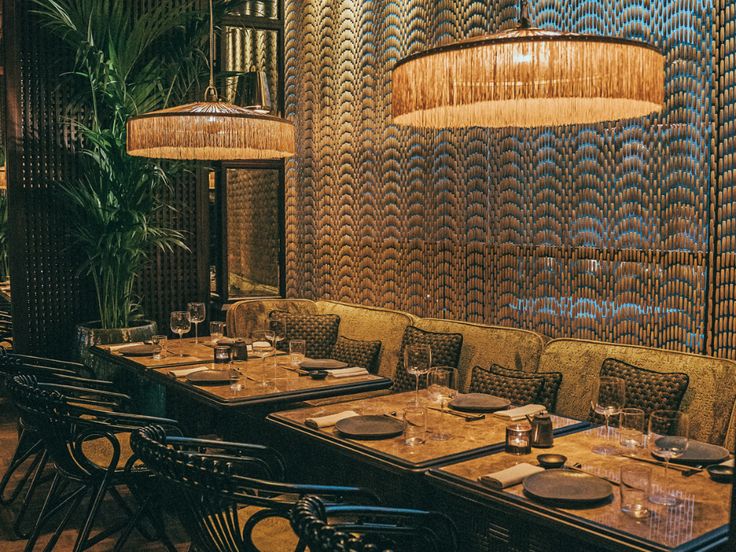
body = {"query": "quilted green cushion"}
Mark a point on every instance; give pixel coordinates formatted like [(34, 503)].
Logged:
[(445, 348)]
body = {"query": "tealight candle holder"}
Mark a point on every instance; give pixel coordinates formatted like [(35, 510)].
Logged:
[(222, 354), (519, 438)]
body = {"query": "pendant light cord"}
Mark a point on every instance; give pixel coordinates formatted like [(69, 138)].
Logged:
[(524, 21), (210, 94)]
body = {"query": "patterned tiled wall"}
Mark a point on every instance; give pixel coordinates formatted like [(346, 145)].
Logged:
[(598, 232)]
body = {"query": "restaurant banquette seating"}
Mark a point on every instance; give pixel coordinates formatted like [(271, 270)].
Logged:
[(705, 387)]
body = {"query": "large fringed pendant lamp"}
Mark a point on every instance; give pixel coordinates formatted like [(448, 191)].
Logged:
[(210, 130), (528, 77)]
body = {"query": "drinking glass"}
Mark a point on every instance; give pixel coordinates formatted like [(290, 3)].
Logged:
[(442, 388), (609, 397), (297, 351), (634, 490), (180, 324), (278, 328), (159, 342), (631, 428), (197, 314), (415, 425), (417, 362), (667, 438), (262, 345), (217, 331)]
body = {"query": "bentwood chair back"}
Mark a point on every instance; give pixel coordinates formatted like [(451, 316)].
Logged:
[(91, 453), (233, 495), (328, 527)]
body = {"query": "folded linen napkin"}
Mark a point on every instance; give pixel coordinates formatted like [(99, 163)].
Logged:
[(327, 421), (184, 372), (520, 413), (510, 476), (114, 348), (347, 372)]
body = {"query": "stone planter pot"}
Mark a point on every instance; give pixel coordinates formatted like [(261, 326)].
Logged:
[(90, 333)]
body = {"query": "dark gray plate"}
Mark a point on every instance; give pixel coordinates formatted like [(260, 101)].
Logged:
[(478, 402), (370, 427), (138, 350), (567, 487), (209, 377), (699, 453), (322, 364)]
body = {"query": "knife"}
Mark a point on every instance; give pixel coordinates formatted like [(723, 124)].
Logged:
[(466, 417)]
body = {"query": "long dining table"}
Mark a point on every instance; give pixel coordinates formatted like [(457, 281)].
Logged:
[(512, 520), (235, 411)]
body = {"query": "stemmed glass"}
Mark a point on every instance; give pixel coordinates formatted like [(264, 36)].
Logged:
[(180, 324), (262, 347), (667, 438), (443, 385), (417, 362), (278, 327), (609, 397), (197, 314)]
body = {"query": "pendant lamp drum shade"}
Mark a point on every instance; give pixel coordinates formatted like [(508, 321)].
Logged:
[(215, 131), (528, 77)]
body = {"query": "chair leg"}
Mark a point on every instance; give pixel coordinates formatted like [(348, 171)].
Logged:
[(50, 497), (67, 516), (94, 506), (23, 452), (35, 482)]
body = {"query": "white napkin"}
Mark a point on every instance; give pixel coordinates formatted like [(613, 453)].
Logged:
[(327, 421), (728, 463), (347, 372), (521, 412), (509, 476), (260, 344), (124, 345), (184, 372)]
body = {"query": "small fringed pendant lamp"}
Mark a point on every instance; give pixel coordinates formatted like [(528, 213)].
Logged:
[(528, 77), (211, 130)]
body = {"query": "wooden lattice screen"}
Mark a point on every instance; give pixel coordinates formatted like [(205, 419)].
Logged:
[(617, 232), (48, 297)]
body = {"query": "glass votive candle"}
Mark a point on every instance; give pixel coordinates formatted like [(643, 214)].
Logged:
[(519, 438), (222, 354)]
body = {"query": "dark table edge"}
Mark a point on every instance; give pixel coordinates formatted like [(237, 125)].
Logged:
[(600, 534), (347, 444)]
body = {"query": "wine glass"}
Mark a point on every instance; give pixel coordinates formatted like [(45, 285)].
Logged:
[(417, 362), (197, 314), (180, 324), (667, 438), (262, 347), (217, 331), (442, 388), (278, 327), (609, 397)]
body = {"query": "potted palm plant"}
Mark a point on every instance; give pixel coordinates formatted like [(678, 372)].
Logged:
[(129, 58)]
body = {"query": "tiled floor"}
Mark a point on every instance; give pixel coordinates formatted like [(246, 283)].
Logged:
[(110, 513)]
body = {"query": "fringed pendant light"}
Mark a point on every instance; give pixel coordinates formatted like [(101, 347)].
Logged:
[(210, 130), (528, 77)]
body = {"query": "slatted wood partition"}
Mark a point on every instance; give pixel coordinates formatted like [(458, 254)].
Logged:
[(600, 232), (48, 297)]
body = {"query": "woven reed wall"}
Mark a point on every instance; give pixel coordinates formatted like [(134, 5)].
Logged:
[(600, 232), (252, 231), (48, 296)]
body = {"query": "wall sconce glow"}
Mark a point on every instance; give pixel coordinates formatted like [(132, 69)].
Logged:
[(528, 77)]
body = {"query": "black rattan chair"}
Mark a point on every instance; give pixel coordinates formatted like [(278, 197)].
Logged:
[(232, 493), (89, 448), (30, 452), (351, 528)]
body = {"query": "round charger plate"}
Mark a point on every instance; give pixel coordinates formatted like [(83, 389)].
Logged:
[(699, 452), (370, 427), (209, 377), (322, 364), (138, 350), (478, 402), (567, 487)]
